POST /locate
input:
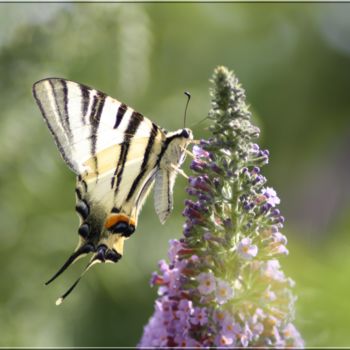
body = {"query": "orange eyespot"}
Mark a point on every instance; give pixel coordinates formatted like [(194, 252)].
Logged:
[(113, 219)]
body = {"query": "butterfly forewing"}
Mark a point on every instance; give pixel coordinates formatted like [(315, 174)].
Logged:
[(85, 121)]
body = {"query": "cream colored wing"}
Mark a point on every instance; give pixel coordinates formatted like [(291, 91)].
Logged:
[(84, 121), (163, 193)]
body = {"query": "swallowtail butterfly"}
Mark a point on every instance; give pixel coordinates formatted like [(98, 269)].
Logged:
[(117, 155)]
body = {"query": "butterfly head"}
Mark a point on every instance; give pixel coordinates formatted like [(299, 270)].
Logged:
[(181, 138), (187, 134), (178, 140)]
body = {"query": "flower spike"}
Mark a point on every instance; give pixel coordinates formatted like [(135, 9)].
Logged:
[(224, 285)]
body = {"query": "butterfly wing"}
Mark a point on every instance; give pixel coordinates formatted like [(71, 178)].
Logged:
[(163, 193), (109, 145), (84, 121), (173, 156)]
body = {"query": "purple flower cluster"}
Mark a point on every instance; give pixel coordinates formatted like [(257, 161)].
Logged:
[(224, 285)]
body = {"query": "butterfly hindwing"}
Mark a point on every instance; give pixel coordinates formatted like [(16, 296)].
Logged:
[(163, 193)]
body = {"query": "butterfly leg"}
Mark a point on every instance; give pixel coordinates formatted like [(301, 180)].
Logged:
[(179, 171), (188, 152)]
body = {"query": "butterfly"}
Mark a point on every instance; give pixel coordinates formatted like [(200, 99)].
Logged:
[(117, 155)]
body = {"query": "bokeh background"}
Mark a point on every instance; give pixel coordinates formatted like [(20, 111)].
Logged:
[(293, 60)]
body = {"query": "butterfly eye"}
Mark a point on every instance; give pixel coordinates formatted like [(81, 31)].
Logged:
[(185, 133)]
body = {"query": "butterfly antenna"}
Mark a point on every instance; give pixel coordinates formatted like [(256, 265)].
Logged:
[(188, 100), (94, 260), (85, 249)]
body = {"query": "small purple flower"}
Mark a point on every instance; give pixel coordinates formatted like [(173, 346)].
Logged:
[(245, 336), (279, 249), (256, 170), (156, 280), (255, 148), (199, 152), (184, 341), (222, 340), (269, 295), (175, 247), (247, 250), (271, 196), (204, 142), (192, 191), (275, 212), (185, 305), (200, 183), (191, 213), (265, 208), (199, 316), (293, 336), (219, 316), (187, 227), (257, 330), (271, 270), (227, 325), (184, 312), (163, 266), (214, 167), (197, 165), (207, 283), (224, 291), (279, 237)]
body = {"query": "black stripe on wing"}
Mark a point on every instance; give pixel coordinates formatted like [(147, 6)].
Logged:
[(61, 106), (85, 100), (145, 161), (95, 117), (121, 111), (65, 106), (134, 122), (169, 195), (57, 142)]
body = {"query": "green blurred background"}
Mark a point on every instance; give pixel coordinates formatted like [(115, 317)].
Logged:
[(294, 62)]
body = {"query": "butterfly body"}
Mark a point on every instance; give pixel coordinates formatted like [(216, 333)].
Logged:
[(117, 155)]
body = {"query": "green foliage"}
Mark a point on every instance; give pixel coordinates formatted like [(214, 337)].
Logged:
[(293, 60)]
